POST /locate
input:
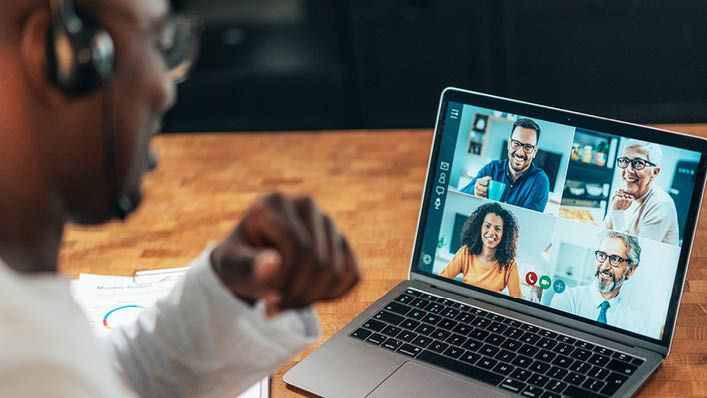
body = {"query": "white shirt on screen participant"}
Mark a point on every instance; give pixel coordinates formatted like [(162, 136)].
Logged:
[(585, 301), (651, 216)]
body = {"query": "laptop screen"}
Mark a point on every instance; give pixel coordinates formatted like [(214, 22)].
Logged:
[(586, 222)]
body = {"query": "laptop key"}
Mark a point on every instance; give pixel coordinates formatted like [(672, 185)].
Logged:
[(512, 385), (487, 363), (497, 327), (425, 329), (613, 382), (504, 368), (528, 350), (456, 340), (478, 312), (438, 346), (459, 367), (453, 352), (545, 355), (522, 361), (479, 334), (447, 324), (376, 338), (585, 345), (556, 386), (441, 334), (529, 328), (409, 324), (532, 392), (470, 357), (511, 345), (563, 348), (450, 312), (621, 367), (489, 350), (598, 373), (637, 361), (405, 299), (539, 367), (361, 333), (576, 392), (593, 385), (603, 351), (521, 374), (416, 314), (462, 329), (575, 378), (557, 372), (549, 394), (495, 317), (548, 333), (407, 336), (472, 345), (480, 322), (374, 325), (513, 333), (420, 303), (429, 297), (562, 361), (389, 317), (505, 356), (392, 344), (391, 330), (530, 338), (566, 339), (538, 380), (422, 341), (465, 317), (598, 360), (495, 339), (581, 354), (431, 319), (580, 367), (546, 344), (622, 357), (409, 350), (413, 292), (435, 308)]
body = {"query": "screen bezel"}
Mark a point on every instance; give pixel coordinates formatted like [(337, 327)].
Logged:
[(576, 120)]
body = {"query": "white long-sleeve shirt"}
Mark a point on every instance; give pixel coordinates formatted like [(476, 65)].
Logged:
[(199, 341)]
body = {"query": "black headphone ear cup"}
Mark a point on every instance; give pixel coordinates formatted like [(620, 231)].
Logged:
[(86, 61)]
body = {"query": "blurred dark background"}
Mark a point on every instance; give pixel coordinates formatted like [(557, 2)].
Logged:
[(350, 64)]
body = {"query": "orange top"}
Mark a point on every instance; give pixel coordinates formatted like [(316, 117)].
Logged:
[(478, 274)]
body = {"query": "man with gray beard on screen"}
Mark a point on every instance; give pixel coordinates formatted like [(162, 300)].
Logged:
[(617, 259)]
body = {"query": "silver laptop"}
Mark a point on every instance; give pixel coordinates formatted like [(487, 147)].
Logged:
[(549, 261)]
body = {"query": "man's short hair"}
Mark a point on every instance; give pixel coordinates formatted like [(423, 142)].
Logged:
[(653, 151), (631, 242), (528, 124)]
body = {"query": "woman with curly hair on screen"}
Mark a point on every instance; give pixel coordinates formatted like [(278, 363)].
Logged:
[(487, 256)]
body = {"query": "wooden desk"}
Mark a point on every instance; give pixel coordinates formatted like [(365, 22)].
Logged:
[(371, 182)]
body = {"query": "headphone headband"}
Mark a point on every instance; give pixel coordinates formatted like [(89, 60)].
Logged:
[(79, 55)]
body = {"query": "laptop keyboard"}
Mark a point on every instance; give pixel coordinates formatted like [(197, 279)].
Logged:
[(507, 353)]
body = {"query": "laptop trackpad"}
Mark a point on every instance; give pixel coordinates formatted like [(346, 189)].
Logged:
[(415, 380)]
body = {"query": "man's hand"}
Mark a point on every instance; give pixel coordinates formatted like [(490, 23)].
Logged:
[(481, 188), (286, 252), (621, 200)]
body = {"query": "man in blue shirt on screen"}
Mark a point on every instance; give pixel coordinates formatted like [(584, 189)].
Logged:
[(521, 183)]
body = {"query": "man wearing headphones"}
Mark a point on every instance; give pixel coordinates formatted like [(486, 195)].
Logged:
[(82, 94)]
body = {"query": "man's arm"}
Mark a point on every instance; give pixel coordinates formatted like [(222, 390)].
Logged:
[(202, 341), (539, 194), (206, 338)]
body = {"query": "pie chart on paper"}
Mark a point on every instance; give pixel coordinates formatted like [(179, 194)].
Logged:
[(122, 315)]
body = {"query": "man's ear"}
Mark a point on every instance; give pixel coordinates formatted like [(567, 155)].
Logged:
[(656, 171), (33, 42)]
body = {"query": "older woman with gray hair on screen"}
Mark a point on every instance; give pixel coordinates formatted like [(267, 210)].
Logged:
[(640, 207)]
